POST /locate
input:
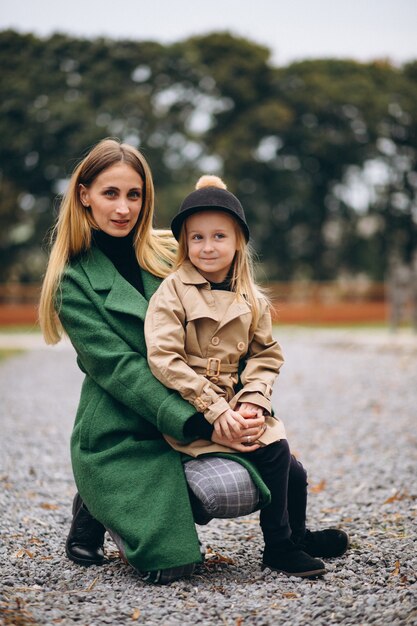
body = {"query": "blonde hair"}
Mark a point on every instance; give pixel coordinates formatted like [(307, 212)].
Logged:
[(242, 279), (71, 235)]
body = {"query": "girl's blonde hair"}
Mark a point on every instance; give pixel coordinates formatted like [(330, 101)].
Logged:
[(242, 279), (71, 236)]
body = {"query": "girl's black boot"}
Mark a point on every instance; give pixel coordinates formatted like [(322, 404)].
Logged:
[(285, 557), (85, 540), (326, 543)]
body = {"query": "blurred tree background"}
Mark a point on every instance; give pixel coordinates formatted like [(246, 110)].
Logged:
[(322, 153)]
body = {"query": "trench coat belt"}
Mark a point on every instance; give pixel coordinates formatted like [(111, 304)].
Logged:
[(211, 366)]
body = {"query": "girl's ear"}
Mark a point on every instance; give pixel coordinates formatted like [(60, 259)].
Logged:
[(84, 195)]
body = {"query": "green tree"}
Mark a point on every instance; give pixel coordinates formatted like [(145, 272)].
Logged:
[(322, 153)]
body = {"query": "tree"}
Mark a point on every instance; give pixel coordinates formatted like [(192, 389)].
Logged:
[(321, 153)]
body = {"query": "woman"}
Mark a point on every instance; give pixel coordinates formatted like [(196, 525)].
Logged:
[(105, 264)]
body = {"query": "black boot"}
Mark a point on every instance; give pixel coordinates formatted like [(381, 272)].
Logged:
[(285, 557), (326, 543), (85, 541)]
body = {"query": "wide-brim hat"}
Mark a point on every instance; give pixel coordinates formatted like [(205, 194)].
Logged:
[(206, 198)]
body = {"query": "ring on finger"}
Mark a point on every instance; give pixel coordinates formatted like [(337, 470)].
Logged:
[(248, 439)]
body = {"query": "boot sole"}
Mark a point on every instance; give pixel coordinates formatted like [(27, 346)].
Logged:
[(317, 573)]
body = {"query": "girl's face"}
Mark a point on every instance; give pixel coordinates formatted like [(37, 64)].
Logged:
[(115, 198), (211, 242)]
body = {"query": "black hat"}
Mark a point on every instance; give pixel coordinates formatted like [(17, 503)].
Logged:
[(211, 193)]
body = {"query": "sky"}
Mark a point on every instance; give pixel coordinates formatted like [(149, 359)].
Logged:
[(292, 29)]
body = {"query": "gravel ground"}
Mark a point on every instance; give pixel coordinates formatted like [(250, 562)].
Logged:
[(349, 402)]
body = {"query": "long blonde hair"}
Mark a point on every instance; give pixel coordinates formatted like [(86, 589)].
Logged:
[(242, 278), (71, 235)]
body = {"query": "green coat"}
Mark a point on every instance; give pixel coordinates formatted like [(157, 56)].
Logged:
[(129, 477)]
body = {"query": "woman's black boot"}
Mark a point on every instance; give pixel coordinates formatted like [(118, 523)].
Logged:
[(85, 541)]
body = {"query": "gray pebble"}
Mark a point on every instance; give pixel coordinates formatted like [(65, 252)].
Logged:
[(348, 403)]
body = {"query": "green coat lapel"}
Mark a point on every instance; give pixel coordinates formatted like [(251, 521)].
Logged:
[(122, 296)]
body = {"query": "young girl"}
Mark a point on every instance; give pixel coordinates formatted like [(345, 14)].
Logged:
[(205, 319)]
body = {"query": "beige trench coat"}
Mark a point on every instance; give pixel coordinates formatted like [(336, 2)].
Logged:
[(195, 338)]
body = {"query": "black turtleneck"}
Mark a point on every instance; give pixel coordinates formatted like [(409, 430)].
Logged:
[(122, 254), (225, 285)]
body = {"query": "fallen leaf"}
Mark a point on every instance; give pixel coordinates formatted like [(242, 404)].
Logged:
[(16, 616), (136, 614), (290, 594), (396, 571), (35, 541), (239, 621), (23, 552), (215, 558), (318, 487), (396, 497), (48, 506)]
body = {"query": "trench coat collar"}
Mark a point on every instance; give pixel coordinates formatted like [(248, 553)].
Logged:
[(189, 275), (122, 296)]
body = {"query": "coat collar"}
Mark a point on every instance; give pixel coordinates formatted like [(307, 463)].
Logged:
[(189, 275), (122, 296)]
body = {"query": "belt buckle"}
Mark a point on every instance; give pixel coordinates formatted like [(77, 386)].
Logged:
[(213, 371)]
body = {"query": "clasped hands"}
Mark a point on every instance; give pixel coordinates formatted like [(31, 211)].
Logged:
[(241, 428)]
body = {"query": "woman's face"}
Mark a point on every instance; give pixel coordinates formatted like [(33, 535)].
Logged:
[(115, 199)]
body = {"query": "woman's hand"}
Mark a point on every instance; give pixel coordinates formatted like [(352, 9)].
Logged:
[(234, 444)]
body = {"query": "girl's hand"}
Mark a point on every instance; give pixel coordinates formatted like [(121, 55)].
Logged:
[(229, 424), (249, 410), (239, 446), (249, 432)]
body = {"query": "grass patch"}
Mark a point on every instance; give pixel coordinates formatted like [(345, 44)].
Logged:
[(377, 326), (6, 353), (338, 326), (19, 328)]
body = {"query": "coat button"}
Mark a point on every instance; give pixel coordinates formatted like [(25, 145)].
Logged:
[(215, 341), (240, 345)]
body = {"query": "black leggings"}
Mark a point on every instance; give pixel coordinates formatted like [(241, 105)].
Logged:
[(286, 479)]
